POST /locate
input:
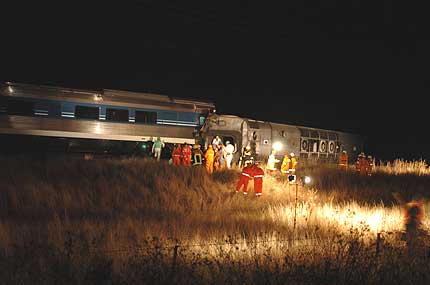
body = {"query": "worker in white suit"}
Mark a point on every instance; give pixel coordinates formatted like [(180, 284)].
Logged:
[(229, 150)]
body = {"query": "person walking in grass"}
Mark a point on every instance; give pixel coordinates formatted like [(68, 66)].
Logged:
[(245, 176), (157, 147), (257, 175)]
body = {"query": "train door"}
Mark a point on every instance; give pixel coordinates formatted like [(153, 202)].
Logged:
[(218, 137), (260, 138)]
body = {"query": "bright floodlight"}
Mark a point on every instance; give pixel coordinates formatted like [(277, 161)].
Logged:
[(10, 89), (277, 146), (307, 180)]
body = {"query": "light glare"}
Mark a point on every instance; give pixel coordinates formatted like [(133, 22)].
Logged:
[(277, 146)]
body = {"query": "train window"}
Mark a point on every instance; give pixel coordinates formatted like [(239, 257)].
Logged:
[(146, 117), (116, 115), (313, 145), (332, 136), (315, 134), (55, 109), (323, 135), (187, 117), (253, 125), (85, 112), (20, 107), (41, 108), (304, 132), (283, 134)]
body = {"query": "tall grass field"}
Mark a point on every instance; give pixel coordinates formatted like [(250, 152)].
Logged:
[(138, 221)]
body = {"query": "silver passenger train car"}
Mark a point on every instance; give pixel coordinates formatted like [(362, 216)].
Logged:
[(263, 137), (109, 117)]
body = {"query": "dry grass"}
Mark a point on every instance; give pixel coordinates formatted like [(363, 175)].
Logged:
[(400, 166), (75, 221)]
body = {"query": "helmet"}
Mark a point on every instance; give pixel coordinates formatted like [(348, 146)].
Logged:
[(248, 147), (292, 154), (344, 151), (227, 142), (210, 146)]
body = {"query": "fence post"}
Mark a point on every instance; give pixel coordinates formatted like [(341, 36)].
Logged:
[(378, 242), (295, 209), (175, 255)]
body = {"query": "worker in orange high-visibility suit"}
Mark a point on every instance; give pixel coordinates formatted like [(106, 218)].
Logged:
[(257, 175), (244, 179), (369, 165), (186, 155), (209, 157), (343, 160), (362, 164), (176, 155)]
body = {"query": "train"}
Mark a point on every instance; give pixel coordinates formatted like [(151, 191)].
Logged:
[(100, 121), (263, 137), (116, 121)]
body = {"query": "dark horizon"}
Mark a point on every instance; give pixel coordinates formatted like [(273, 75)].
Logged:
[(352, 67)]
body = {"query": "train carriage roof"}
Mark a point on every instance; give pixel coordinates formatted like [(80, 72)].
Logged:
[(106, 95)]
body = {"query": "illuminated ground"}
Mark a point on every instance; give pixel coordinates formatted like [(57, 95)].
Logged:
[(134, 221)]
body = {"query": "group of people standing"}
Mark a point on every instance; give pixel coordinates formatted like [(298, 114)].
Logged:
[(216, 157), (253, 171), (288, 166), (182, 155), (219, 156), (363, 165)]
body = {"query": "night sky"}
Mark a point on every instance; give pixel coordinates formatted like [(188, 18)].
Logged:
[(357, 66)]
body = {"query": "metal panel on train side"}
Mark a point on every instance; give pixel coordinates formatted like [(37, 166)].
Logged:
[(259, 137), (93, 129), (288, 136)]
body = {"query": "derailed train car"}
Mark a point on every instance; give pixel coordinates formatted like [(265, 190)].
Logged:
[(261, 136), (107, 121)]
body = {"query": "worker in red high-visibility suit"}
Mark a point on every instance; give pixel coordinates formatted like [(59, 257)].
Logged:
[(186, 155), (176, 155), (244, 179), (257, 175), (362, 164), (343, 160), (209, 157)]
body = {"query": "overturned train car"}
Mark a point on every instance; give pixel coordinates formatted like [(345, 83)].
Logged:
[(305, 142)]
